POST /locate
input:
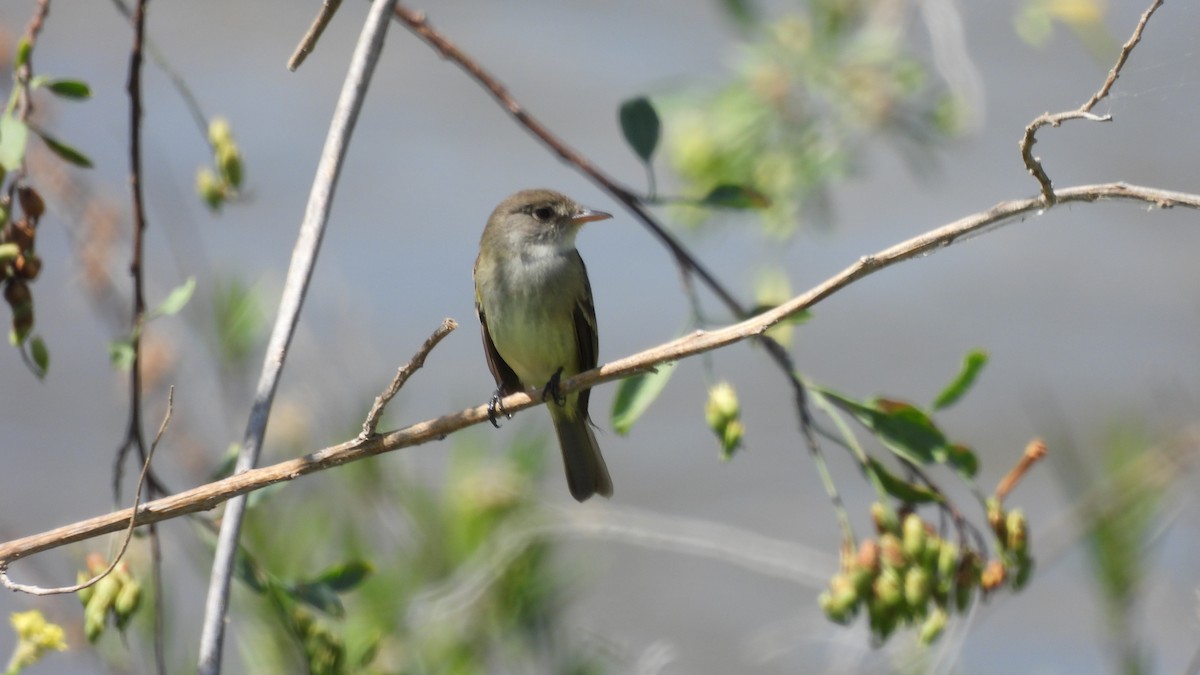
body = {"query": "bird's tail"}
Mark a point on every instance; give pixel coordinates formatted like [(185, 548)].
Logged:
[(587, 474)]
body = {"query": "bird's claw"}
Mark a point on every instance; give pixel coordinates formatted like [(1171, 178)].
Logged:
[(551, 390), (496, 404)]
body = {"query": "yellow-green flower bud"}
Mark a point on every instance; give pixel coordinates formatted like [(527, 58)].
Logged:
[(885, 518), (210, 189), (722, 405), (934, 624), (888, 589), (917, 587), (995, 518), (127, 602), (219, 132), (913, 530), (1018, 532), (84, 594), (229, 163), (947, 561), (891, 551)]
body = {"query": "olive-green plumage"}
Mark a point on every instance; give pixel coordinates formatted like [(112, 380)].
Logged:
[(535, 307)]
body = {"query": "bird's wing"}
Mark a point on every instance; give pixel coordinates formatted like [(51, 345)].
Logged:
[(506, 380), (587, 337)]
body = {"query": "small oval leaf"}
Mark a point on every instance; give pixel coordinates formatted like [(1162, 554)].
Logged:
[(640, 124), (120, 354), (176, 299), (41, 356), (345, 576), (13, 136), (65, 151), (736, 197), (77, 90), (972, 364), (635, 394), (909, 493)]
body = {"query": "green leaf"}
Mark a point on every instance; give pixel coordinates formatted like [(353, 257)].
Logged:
[(120, 354), (909, 493), (902, 428), (963, 459), (13, 136), (635, 394), (319, 596), (23, 49), (972, 364), (238, 320), (77, 90), (176, 299), (41, 356), (736, 197), (639, 123), (65, 151), (345, 576)]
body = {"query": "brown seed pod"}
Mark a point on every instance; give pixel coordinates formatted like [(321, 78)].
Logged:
[(31, 203), (28, 266)]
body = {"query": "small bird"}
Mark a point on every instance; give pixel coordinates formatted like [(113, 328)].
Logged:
[(535, 307)]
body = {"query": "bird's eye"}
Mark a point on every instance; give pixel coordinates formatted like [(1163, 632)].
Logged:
[(543, 214)]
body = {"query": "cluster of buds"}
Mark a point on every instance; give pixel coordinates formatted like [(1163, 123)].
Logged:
[(1012, 537), (723, 414), (117, 595), (218, 187), (19, 265), (909, 576)]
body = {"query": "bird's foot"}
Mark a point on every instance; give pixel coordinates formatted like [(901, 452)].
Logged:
[(496, 404), (551, 390)]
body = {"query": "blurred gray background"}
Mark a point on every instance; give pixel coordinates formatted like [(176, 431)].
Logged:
[(1090, 313)]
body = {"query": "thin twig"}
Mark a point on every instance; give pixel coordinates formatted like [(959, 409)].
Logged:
[(402, 375), (1034, 452), (137, 500), (181, 86), (309, 41), (1034, 164), (134, 436), (304, 257), (208, 496)]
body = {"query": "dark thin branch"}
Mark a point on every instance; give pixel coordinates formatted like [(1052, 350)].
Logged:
[(134, 436), (209, 496), (1034, 164)]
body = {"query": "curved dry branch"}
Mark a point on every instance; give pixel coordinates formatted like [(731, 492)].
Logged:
[(1034, 164), (209, 496)]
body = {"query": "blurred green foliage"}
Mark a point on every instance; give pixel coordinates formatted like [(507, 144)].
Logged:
[(416, 584), (809, 89)]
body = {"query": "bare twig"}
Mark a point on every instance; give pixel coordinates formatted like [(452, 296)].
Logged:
[(210, 495), (1034, 164), (137, 500), (304, 256), (1034, 452), (309, 41), (134, 436), (402, 375)]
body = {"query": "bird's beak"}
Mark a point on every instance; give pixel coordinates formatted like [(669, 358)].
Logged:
[(586, 215)]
